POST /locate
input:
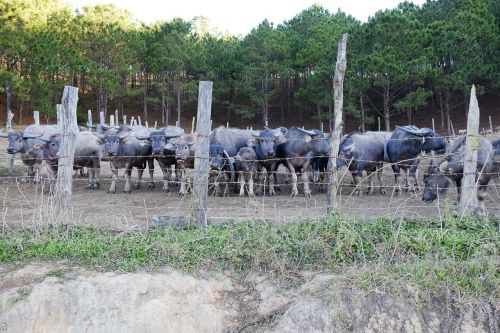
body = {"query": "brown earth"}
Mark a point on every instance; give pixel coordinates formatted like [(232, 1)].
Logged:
[(25, 204)]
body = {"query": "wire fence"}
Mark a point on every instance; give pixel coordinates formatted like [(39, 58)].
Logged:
[(26, 204)]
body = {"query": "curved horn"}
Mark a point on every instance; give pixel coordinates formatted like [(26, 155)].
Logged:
[(414, 130), (443, 167), (255, 133), (28, 135), (142, 137), (3, 135), (311, 133), (277, 133)]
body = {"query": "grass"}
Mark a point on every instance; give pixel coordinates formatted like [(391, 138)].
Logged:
[(458, 255)]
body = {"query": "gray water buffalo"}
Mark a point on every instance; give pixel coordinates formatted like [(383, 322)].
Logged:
[(24, 142), (364, 152), (246, 165), (224, 145), (162, 151), (126, 151), (184, 147), (265, 143), (403, 150), (438, 179), (87, 155), (297, 152)]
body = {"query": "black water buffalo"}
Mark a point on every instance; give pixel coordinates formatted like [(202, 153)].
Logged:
[(225, 144), (24, 143), (438, 179), (87, 155), (496, 147), (126, 151), (265, 143), (246, 165), (298, 150), (403, 150), (184, 147), (364, 152), (162, 151)]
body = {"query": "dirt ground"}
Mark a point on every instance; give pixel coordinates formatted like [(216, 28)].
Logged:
[(25, 204)]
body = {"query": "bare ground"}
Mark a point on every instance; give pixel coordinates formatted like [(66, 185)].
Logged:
[(25, 204)]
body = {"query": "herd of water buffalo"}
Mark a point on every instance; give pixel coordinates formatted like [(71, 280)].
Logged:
[(256, 155)]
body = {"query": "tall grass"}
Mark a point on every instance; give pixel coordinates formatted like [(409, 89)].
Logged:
[(452, 253)]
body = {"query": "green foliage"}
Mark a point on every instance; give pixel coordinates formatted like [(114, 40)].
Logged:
[(395, 60), (458, 253)]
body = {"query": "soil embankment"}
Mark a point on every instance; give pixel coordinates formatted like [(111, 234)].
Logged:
[(62, 298)]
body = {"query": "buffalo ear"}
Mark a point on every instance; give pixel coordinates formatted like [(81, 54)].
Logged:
[(251, 143), (307, 138)]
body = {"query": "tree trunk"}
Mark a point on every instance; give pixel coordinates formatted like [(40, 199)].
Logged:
[(265, 109), (179, 106), (441, 106), (145, 96), (20, 119), (408, 115), (8, 95), (386, 110), (363, 113), (447, 110)]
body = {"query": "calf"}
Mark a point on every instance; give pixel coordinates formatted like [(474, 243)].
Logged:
[(246, 165), (184, 147), (438, 179)]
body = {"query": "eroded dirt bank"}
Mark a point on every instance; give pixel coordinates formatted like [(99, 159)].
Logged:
[(62, 298)]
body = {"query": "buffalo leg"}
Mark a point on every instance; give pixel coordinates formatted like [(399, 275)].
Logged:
[(227, 180), (140, 172), (182, 190), (369, 175), (305, 179), (151, 168), (397, 177), (241, 181), (114, 173), (293, 176), (381, 184), (173, 176), (250, 184), (412, 177), (164, 171), (128, 175), (356, 176)]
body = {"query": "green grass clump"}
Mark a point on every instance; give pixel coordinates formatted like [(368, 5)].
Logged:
[(454, 253)]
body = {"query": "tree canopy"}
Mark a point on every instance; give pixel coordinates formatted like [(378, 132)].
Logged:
[(399, 61)]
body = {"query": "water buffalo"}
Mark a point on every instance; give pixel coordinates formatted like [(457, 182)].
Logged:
[(160, 149), (246, 165), (24, 143), (87, 155), (300, 147), (184, 147), (403, 150), (438, 179), (265, 143), (225, 144), (126, 151), (364, 152)]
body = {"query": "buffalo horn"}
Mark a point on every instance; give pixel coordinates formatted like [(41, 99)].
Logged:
[(311, 133), (443, 167)]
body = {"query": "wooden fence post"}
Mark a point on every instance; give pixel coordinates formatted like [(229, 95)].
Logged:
[(89, 118), (117, 119), (132, 121), (59, 111), (452, 129), (378, 118), (139, 122), (192, 124), (8, 125), (201, 162), (156, 124), (63, 190), (111, 120), (433, 126), (124, 119), (468, 204), (338, 100), (491, 124), (101, 118), (36, 117)]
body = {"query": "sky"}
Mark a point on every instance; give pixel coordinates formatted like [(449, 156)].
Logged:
[(239, 17)]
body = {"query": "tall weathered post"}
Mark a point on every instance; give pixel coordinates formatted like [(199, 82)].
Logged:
[(468, 195), (36, 117), (338, 101), (63, 190), (201, 162), (89, 119), (102, 119), (59, 111), (8, 125), (117, 120)]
